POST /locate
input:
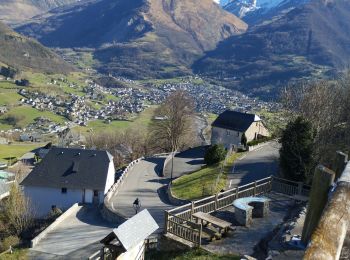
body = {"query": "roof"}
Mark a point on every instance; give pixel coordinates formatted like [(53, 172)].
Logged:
[(134, 230), (236, 121), (72, 169)]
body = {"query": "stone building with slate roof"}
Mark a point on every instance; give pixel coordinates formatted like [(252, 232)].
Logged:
[(229, 127), (67, 176)]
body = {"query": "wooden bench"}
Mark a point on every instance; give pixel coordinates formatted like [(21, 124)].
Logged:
[(213, 234), (202, 217)]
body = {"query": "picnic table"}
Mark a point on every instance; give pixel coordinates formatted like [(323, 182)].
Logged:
[(205, 217)]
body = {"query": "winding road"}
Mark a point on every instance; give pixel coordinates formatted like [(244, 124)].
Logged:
[(255, 165), (144, 182)]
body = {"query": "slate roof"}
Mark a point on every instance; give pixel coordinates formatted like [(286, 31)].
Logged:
[(236, 121), (133, 231), (72, 169)]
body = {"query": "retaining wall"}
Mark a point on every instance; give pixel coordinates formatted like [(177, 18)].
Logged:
[(174, 200)]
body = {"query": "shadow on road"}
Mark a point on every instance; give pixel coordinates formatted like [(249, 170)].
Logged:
[(158, 164), (196, 152)]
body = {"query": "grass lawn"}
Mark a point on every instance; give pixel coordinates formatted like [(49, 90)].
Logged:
[(18, 254), (274, 121), (16, 150), (203, 182), (196, 254), (27, 115)]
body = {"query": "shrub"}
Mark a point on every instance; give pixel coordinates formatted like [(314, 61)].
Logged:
[(54, 213), (9, 241), (215, 153)]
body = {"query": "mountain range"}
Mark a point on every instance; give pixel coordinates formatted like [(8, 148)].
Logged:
[(139, 38), (308, 42), (15, 11), (287, 40), (26, 54)]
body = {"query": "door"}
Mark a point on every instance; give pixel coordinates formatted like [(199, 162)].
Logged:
[(95, 198)]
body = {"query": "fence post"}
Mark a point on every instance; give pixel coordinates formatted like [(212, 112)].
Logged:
[(340, 163), (200, 235), (192, 210), (322, 181), (166, 213), (300, 188), (216, 201), (271, 182), (237, 188), (254, 188)]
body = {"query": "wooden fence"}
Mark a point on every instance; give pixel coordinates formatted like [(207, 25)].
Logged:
[(179, 221)]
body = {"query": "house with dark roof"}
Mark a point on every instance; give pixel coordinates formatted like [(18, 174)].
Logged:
[(229, 127), (67, 176)]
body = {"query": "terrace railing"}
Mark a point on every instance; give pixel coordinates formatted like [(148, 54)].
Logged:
[(178, 221)]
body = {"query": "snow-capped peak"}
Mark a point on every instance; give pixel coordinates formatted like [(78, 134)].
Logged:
[(256, 8)]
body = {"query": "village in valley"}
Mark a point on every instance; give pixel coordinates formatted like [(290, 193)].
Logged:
[(174, 130), (222, 194)]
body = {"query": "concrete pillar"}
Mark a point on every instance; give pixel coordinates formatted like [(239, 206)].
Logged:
[(322, 181)]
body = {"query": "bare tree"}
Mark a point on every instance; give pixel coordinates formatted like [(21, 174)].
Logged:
[(326, 105), (18, 210), (124, 146), (173, 129)]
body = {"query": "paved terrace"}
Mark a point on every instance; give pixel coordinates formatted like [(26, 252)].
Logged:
[(244, 239), (76, 237)]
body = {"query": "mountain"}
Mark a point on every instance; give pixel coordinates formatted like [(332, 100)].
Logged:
[(26, 54), (14, 11), (255, 11), (139, 38), (309, 42)]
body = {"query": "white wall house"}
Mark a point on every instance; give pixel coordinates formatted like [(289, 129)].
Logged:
[(67, 176), (229, 127)]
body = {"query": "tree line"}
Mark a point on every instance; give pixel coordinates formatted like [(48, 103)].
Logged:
[(319, 125)]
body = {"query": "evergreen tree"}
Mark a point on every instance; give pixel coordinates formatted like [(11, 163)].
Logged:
[(215, 154), (296, 158)]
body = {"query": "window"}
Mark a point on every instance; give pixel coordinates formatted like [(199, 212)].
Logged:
[(228, 132), (95, 193), (64, 190), (237, 134)]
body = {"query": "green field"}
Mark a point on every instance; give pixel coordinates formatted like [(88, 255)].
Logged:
[(203, 182), (8, 94), (16, 150), (26, 116)]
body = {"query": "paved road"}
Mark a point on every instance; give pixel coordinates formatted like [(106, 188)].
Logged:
[(76, 238), (257, 164), (186, 162), (143, 182)]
